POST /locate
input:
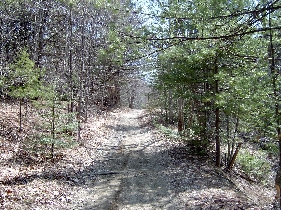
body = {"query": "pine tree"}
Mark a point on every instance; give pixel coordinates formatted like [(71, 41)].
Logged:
[(23, 81)]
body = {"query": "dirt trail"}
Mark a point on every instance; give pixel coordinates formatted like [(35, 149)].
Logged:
[(135, 174), (143, 172), (122, 164)]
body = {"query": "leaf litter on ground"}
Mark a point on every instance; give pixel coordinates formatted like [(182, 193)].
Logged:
[(67, 181)]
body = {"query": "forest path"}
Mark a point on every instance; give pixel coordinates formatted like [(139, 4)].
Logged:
[(134, 176), (142, 171), (122, 163)]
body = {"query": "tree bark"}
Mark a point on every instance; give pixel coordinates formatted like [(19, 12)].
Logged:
[(233, 158), (275, 74), (20, 116), (234, 136), (42, 28), (70, 62), (82, 69), (170, 110), (53, 129), (217, 123), (180, 115)]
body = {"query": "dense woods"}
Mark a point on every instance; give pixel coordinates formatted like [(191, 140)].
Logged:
[(220, 66), (83, 49), (73, 55), (211, 68)]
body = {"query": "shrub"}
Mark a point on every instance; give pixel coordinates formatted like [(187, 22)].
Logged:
[(254, 164), (167, 132)]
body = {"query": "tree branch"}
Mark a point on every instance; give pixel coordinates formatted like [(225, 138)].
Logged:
[(184, 38)]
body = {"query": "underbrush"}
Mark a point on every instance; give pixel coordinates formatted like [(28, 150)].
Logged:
[(255, 164), (168, 132), (255, 160), (195, 145), (42, 135)]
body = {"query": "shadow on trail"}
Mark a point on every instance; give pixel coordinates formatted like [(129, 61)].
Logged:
[(141, 185), (150, 176), (123, 128)]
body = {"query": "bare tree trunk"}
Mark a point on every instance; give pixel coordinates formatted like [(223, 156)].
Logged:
[(53, 129), (275, 75), (165, 106), (180, 115), (71, 109), (228, 139), (82, 69), (234, 136), (26, 106), (86, 103), (217, 124), (79, 118), (217, 137), (233, 158), (170, 109), (20, 116), (132, 98), (42, 19)]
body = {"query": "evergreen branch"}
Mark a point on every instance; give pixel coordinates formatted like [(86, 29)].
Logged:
[(235, 14), (240, 34)]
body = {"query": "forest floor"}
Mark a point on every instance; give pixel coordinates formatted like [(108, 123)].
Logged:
[(122, 163)]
